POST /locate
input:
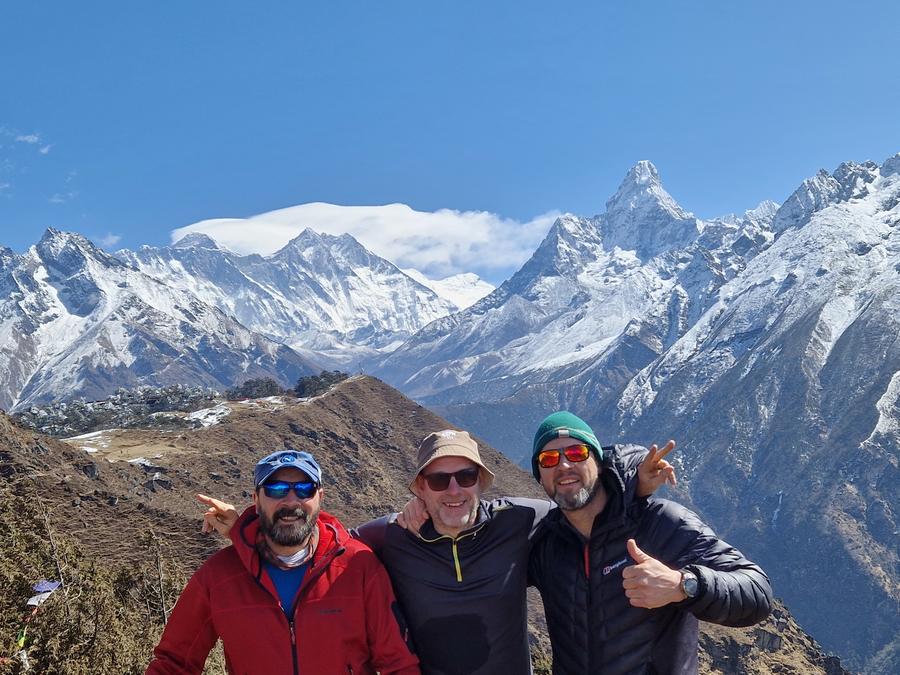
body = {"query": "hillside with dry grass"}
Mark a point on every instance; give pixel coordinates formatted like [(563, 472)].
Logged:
[(113, 515)]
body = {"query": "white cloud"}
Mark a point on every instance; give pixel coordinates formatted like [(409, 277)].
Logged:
[(63, 197), (44, 149), (439, 243), (109, 240), (31, 139)]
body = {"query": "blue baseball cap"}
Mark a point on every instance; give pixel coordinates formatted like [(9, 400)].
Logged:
[(283, 459)]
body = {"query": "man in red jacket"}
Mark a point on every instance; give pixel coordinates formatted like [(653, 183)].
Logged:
[(294, 594)]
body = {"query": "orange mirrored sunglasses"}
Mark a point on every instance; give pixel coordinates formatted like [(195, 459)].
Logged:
[(547, 459)]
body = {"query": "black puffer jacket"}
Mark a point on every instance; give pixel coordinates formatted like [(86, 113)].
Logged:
[(593, 627)]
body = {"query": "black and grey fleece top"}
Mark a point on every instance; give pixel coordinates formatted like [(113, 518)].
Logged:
[(464, 597)]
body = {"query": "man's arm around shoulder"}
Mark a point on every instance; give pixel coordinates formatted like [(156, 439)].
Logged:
[(374, 532)]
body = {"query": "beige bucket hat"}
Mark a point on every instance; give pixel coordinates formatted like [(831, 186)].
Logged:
[(450, 443)]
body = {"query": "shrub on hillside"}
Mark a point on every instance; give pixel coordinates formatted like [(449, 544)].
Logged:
[(259, 387), (101, 620), (313, 385), (126, 408)]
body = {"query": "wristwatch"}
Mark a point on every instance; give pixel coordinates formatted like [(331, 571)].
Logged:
[(689, 584)]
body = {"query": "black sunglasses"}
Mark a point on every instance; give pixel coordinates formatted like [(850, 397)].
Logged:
[(440, 481), (278, 489)]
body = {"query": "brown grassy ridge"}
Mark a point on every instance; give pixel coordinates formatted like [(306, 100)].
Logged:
[(119, 515)]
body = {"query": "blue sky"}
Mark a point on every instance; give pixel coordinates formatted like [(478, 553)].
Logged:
[(125, 121)]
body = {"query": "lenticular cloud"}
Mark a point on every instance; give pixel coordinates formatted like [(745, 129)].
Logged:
[(440, 242)]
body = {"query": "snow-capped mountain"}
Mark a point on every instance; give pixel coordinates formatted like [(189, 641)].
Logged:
[(76, 321), (765, 344), (642, 217), (463, 290), (581, 296), (325, 296), (792, 377)]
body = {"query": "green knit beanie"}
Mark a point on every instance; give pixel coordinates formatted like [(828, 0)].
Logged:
[(565, 424)]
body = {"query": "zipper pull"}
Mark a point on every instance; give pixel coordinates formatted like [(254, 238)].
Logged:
[(293, 634)]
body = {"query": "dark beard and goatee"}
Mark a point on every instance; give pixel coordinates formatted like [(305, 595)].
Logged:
[(577, 500), (288, 534)]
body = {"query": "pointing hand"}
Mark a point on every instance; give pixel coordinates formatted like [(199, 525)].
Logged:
[(220, 516)]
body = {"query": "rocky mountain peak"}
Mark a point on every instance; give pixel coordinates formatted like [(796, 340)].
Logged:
[(814, 194), (851, 180), (641, 184), (643, 217), (569, 243), (7, 257), (308, 237), (642, 173), (196, 240), (54, 242), (854, 177), (70, 252), (765, 210), (891, 165)]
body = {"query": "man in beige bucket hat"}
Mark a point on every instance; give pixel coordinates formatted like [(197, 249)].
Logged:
[(450, 479)]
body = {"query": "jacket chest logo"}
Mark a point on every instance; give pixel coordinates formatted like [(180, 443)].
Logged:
[(615, 565)]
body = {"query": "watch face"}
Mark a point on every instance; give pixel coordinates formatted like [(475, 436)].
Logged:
[(689, 584)]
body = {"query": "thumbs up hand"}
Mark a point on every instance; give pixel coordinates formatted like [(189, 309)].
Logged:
[(649, 583)]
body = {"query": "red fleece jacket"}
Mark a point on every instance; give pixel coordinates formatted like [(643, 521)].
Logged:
[(345, 621)]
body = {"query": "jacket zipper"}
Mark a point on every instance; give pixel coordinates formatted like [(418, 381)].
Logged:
[(308, 581), (456, 562), (294, 647), (325, 560), (457, 565)]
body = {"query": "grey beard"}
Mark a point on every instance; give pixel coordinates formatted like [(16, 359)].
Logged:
[(292, 534), (579, 500)]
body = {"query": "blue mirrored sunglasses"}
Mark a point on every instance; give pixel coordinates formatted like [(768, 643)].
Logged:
[(278, 489)]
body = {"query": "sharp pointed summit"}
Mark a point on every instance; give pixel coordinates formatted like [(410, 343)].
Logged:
[(643, 217)]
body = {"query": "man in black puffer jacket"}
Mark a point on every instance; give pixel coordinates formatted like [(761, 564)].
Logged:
[(625, 581)]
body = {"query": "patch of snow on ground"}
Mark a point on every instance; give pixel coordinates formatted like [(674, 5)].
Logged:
[(210, 416), (93, 434), (97, 438), (777, 509), (887, 406), (273, 400), (142, 461), (837, 315)]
